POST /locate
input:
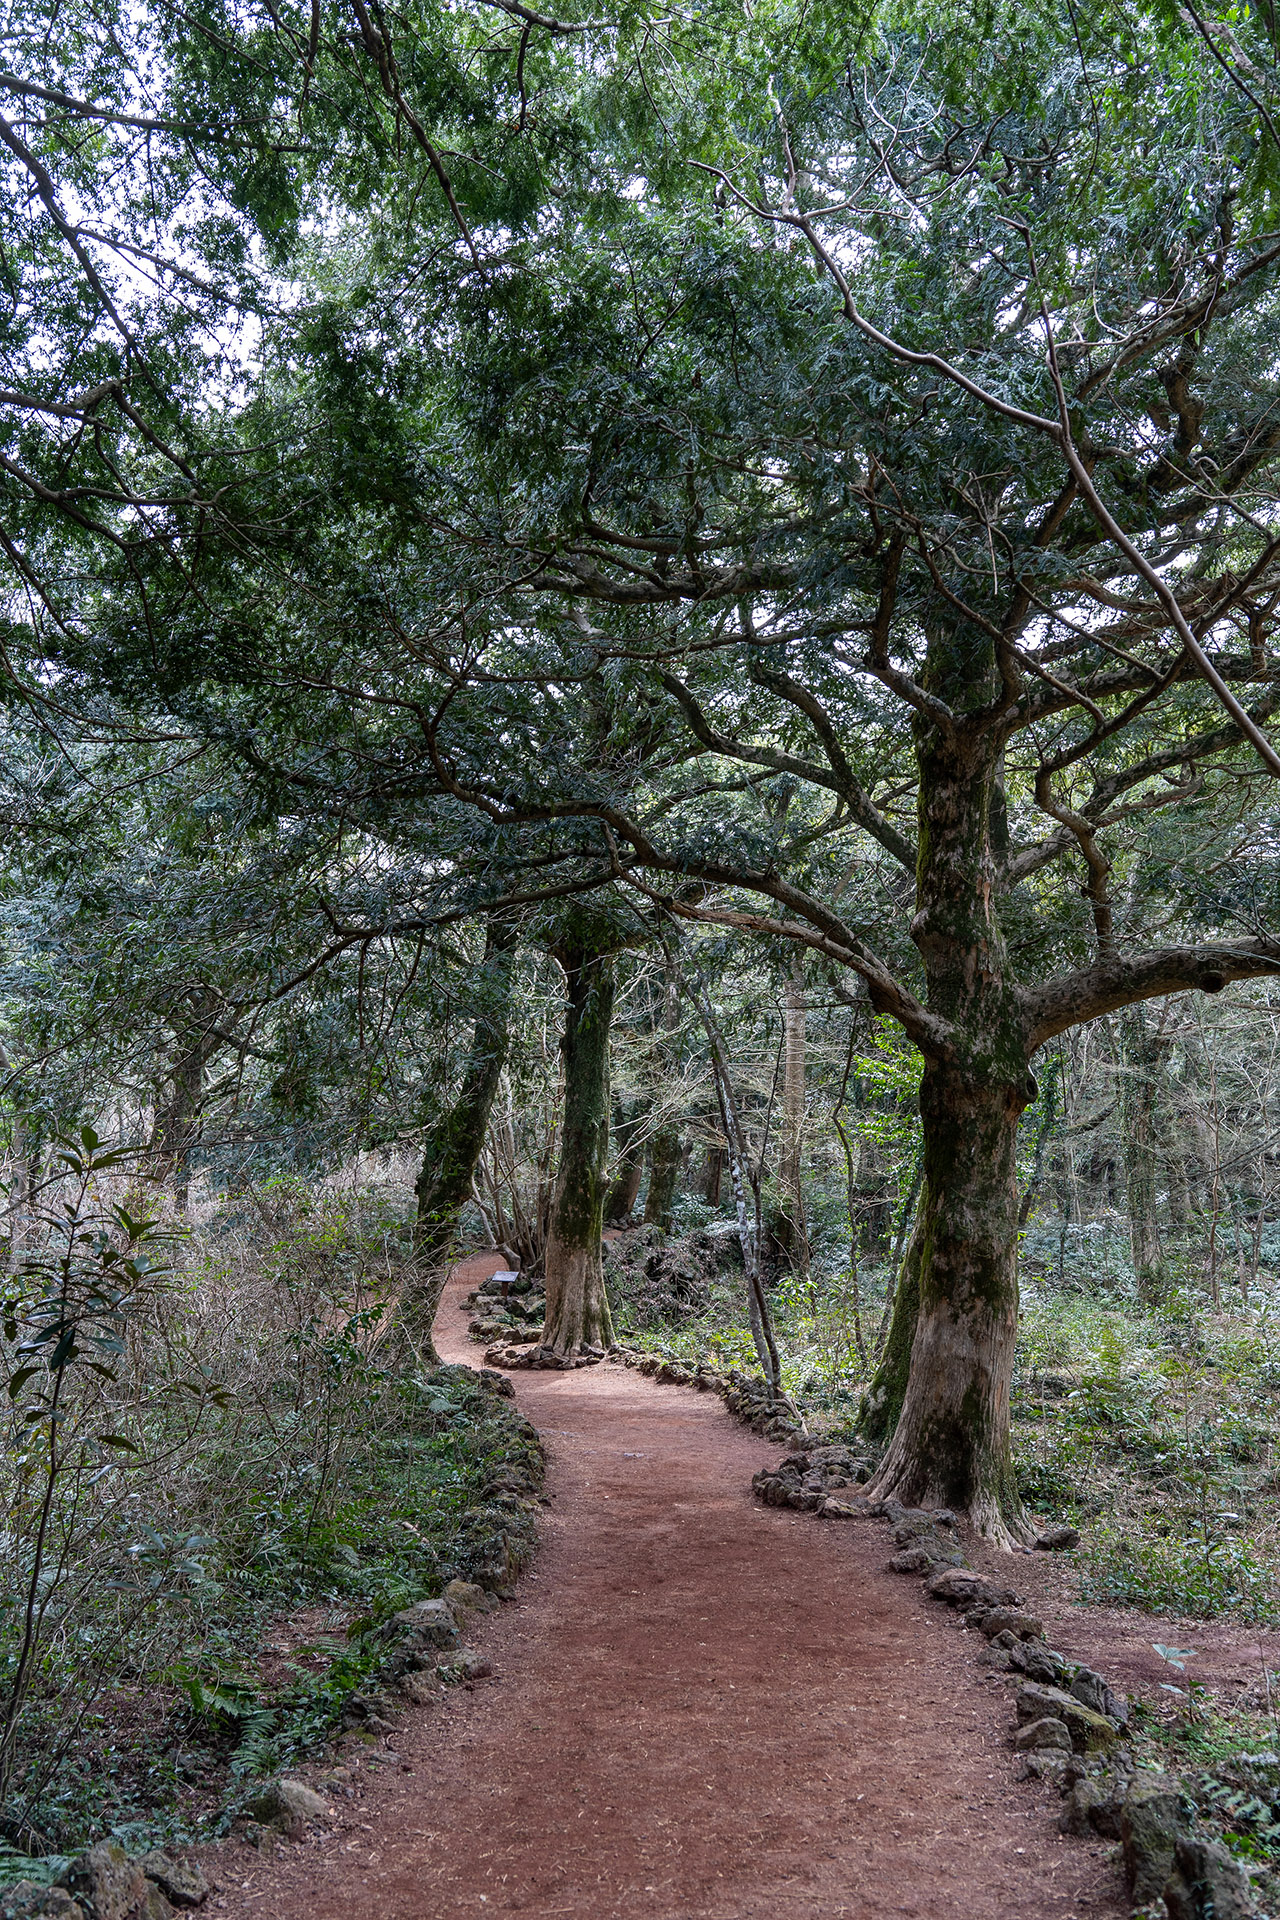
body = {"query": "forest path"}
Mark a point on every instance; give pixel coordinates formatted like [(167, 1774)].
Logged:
[(703, 1709)]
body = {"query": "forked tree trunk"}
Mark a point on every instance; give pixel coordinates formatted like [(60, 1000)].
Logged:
[(577, 1306), (454, 1144)]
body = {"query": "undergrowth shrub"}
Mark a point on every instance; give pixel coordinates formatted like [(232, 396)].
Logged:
[(247, 1471), (1200, 1573)]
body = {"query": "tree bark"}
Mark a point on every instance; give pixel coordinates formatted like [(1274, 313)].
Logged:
[(456, 1139), (951, 1445), (578, 1314), (711, 1175)]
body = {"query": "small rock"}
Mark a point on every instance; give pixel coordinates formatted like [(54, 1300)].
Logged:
[(1058, 1539), (1104, 1815), (467, 1665), (914, 1560), (994, 1620), (960, 1587), (1084, 1796), (26, 1901), (1045, 1665), (179, 1880), (1089, 1731), (1152, 1820), (1047, 1763), (995, 1657), (1042, 1733), (109, 1883), (429, 1623), (421, 1689), (829, 1509), (1090, 1688), (914, 1525), (289, 1808), (463, 1597), (1206, 1884)]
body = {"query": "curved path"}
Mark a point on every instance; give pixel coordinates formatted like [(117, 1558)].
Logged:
[(702, 1710)]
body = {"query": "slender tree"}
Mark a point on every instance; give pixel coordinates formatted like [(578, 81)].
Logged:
[(451, 1151), (578, 1316)]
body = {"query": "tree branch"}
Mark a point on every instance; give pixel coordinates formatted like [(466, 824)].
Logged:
[(1121, 980)]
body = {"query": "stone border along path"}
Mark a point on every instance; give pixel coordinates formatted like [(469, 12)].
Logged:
[(703, 1708)]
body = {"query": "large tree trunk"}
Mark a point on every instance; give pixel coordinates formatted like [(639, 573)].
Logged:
[(951, 1444), (1139, 1096), (578, 1314), (454, 1143), (711, 1175)]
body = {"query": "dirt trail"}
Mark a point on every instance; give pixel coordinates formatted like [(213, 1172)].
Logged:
[(702, 1710)]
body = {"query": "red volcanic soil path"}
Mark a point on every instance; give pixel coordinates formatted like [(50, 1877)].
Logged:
[(701, 1708)]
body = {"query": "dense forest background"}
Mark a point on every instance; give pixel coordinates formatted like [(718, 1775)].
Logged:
[(649, 641)]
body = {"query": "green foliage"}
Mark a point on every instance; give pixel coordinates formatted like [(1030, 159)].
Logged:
[(1203, 1576), (293, 1479), (1157, 1434)]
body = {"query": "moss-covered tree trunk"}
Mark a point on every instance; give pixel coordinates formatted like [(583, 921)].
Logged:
[(951, 1447), (454, 1144), (951, 1444), (578, 1315)]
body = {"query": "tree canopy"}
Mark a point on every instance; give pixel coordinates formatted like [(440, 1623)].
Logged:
[(801, 472)]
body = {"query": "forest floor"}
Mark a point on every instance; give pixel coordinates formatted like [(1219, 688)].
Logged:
[(702, 1709)]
